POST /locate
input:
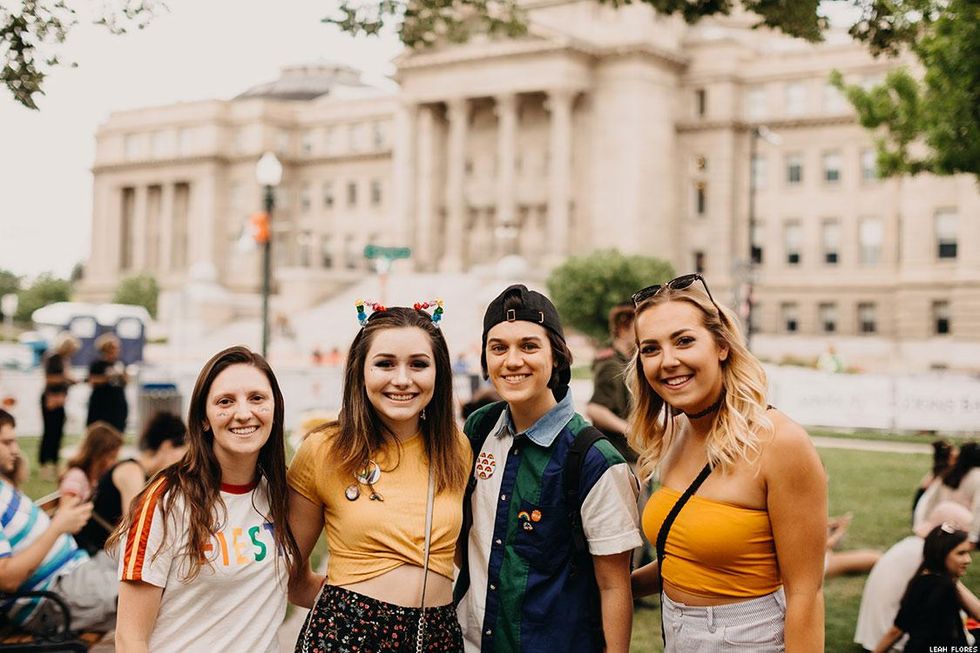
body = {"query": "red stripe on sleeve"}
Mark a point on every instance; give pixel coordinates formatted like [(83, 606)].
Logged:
[(139, 532)]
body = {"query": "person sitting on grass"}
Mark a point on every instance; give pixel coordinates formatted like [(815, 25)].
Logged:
[(888, 578), (39, 553), (839, 563), (98, 452), (930, 608)]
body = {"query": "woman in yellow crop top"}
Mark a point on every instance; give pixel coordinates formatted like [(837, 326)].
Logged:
[(743, 559), (365, 481)]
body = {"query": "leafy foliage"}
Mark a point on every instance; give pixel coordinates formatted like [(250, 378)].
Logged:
[(585, 288), (940, 111), (423, 23), (31, 36), (46, 289), (9, 282), (141, 290)]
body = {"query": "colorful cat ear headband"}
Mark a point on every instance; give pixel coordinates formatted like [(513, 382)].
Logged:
[(363, 316)]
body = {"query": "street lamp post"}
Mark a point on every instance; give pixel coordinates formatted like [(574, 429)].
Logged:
[(268, 172)]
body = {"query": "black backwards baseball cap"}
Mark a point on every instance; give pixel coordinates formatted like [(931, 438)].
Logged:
[(527, 306)]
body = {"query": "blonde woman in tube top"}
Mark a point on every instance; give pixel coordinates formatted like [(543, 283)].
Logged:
[(743, 559), (365, 479)]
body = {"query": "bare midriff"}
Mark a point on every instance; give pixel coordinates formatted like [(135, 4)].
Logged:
[(403, 586), (678, 595)]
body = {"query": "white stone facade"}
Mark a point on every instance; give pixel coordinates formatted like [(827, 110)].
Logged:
[(600, 128)]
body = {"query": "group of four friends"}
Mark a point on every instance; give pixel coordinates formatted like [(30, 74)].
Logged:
[(534, 508)]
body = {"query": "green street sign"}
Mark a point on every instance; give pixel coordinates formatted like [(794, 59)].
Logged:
[(390, 253)]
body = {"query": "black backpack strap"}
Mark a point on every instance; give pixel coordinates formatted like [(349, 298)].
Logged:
[(479, 434), (665, 531), (574, 462)]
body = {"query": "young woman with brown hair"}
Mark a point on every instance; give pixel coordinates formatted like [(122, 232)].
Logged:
[(386, 483), (206, 548), (98, 452)]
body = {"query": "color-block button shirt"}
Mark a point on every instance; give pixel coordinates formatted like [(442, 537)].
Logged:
[(21, 524), (529, 591)]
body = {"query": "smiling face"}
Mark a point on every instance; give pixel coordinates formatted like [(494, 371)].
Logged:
[(520, 362), (681, 359), (240, 409), (400, 377), (958, 559)]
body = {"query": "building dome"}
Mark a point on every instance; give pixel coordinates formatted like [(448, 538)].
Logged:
[(306, 82)]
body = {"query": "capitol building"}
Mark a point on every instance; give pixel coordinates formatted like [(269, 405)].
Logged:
[(599, 128)]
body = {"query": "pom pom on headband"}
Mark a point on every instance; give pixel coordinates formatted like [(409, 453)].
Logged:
[(363, 316), (436, 314)]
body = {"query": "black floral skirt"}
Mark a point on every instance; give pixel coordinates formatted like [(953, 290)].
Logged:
[(347, 622)]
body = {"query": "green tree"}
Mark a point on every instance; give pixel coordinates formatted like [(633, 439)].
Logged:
[(46, 289), (932, 123), (9, 282), (585, 288), (141, 290)]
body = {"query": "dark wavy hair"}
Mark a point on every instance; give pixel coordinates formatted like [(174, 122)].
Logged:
[(939, 542), (968, 459), (197, 476), (360, 430)]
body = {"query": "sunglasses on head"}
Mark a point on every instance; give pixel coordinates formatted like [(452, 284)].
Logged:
[(677, 283)]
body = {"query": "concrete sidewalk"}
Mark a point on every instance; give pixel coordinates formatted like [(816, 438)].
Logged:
[(871, 445)]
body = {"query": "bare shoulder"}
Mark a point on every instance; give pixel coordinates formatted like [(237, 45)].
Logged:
[(789, 448)]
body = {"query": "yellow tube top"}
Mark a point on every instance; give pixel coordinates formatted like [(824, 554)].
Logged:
[(714, 549)]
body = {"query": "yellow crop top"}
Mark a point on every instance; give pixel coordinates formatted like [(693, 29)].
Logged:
[(714, 549), (368, 538)]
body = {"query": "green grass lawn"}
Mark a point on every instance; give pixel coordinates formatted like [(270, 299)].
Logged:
[(876, 487)]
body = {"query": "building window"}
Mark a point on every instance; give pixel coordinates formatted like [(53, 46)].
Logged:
[(790, 317), (328, 140), (327, 192), (378, 135), (867, 318), (699, 261), (940, 318), (701, 102), (307, 143), (794, 169), (828, 317), (833, 100), (755, 102), (305, 242), (375, 192), (869, 165), (792, 241), (830, 238), (282, 142), (831, 167), (870, 234), (701, 163), (946, 227), (758, 237), (352, 193), (304, 198), (355, 137), (758, 172), (326, 252), (700, 199), (795, 98)]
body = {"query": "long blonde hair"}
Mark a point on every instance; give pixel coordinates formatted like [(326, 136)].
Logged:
[(741, 420)]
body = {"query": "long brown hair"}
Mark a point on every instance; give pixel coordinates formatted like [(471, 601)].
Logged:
[(197, 476), (740, 422), (360, 431), (101, 438)]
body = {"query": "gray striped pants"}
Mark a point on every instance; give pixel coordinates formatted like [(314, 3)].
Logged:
[(755, 625)]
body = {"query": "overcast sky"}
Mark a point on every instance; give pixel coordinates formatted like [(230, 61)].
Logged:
[(199, 49)]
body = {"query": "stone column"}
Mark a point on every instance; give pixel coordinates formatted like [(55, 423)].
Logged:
[(166, 229), (404, 181), (506, 146), (560, 171), (425, 257), (459, 114), (138, 237)]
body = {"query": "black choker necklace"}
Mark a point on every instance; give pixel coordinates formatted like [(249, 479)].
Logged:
[(710, 409)]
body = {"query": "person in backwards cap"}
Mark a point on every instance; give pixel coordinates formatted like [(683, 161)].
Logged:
[(545, 564)]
